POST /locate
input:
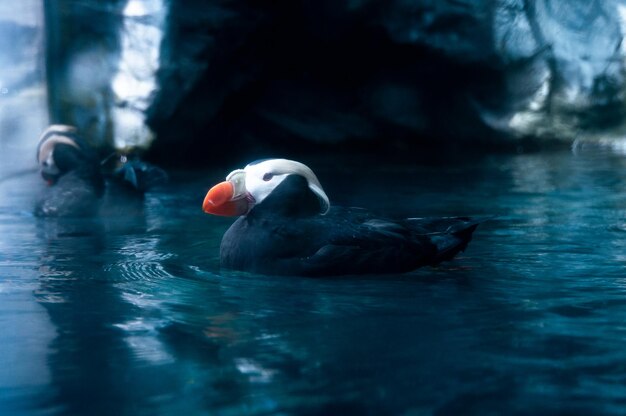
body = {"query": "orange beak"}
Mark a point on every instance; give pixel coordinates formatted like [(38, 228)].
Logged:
[(218, 201)]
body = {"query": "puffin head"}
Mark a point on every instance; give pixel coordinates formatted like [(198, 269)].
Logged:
[(58, 151), (250, 186)]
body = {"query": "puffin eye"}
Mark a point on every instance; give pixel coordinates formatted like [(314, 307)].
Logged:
[(268, 177)]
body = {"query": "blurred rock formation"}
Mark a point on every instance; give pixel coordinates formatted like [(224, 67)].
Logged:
[(22, 95), (209, 78)]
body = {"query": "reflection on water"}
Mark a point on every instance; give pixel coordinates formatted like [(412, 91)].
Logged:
[(130, 314)]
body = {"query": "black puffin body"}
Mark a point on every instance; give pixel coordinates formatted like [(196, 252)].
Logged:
[(286, 233)]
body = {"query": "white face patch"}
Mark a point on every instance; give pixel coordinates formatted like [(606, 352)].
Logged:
[(255, 183), (263, 177)]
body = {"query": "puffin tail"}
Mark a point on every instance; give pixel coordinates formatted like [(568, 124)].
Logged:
[(455, 238)]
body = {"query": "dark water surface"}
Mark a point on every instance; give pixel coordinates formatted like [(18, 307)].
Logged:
[(130, 314)]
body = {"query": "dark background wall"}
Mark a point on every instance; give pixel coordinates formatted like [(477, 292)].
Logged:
[(286, 77)]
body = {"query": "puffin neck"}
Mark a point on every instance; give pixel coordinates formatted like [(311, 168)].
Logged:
[(292, 198), (67, 157)]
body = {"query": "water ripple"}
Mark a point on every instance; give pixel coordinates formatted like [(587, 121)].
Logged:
[(531, 316), (136, 270)]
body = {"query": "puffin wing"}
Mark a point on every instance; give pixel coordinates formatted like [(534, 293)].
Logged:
[(387, 246), (373, 246)]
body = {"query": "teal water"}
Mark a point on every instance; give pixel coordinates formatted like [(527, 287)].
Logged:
[(129, 314)]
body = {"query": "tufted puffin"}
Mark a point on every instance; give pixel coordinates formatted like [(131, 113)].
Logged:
[(72, 170), (287, 227), (76, 177)]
